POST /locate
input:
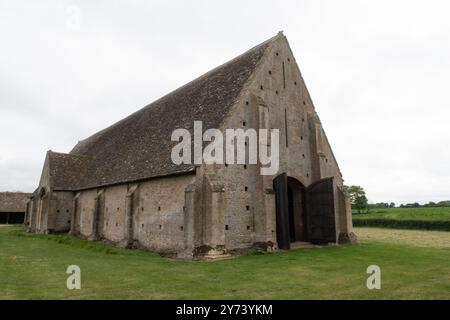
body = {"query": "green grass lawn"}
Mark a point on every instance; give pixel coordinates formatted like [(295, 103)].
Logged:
[(405, 218), (33, 267)]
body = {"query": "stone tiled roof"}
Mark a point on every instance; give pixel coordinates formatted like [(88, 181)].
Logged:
[(139, 146), (67, 171), (13, 201)]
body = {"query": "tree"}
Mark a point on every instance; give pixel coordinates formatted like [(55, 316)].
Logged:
[(392, 205), (358, 197)]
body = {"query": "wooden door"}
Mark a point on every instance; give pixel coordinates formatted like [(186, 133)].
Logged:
[(282, 218), (321, 226)]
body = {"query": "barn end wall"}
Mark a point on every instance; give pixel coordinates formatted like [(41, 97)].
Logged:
[(275, 98)]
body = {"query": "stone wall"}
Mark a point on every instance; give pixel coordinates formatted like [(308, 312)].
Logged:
[(113, 228), (60, 211), (275, 98), (157, 213), (159, 224)]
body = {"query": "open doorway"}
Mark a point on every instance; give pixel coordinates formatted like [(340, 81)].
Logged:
[(304, 214), (290, 196), (296, 210)]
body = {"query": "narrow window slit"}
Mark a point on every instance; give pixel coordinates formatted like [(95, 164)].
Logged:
[(285, 127)]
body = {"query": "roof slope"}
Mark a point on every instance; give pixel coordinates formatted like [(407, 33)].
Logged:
[(14, 201), (139, 146), (67, 171)]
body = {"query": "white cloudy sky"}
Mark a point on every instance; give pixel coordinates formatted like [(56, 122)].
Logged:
[(378, 72)]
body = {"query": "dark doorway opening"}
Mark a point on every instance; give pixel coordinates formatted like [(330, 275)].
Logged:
[(12, 217), (304, 214), (296, 210), (291, 214), (290, 210)]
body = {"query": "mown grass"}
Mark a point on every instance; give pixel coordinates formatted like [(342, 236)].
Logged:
[(33, 267), (405, 218)]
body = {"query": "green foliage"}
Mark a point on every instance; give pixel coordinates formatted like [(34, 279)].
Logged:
[(403, 224), (430, 204), (358, 197), (431, 218), (381, 205)]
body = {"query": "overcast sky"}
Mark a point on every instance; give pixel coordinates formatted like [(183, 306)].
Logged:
[(378, 73)]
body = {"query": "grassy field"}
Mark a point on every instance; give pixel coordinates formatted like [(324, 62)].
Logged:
[(33, 267), (405, 218)]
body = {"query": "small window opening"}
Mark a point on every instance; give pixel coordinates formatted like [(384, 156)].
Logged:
[(226, 227), (285, 127)]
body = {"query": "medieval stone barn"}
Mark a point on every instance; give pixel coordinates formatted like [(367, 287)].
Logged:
[(120, 184)]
